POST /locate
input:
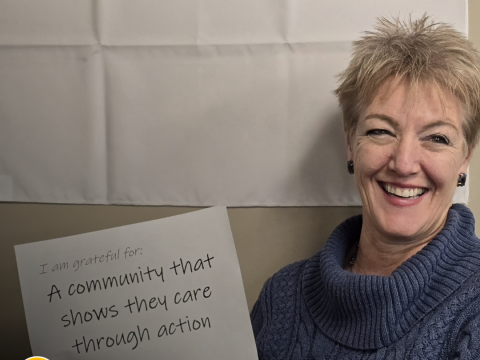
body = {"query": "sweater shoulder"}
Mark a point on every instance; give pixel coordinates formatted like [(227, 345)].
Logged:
[(288, 275), (283, 286)]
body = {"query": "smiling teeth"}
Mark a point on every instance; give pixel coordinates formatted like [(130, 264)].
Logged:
[(404, 193)]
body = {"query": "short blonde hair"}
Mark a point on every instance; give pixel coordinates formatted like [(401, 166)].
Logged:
[(419, 51)]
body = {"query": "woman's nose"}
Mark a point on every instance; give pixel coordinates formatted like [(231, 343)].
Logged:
[(405, 157)]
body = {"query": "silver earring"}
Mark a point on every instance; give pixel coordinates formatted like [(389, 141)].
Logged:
[(462, 179), (350, 168)]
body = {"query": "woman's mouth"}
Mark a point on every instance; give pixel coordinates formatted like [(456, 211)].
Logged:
[(404, 193)]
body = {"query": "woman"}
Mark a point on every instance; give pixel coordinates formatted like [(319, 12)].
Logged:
[(402, 281)]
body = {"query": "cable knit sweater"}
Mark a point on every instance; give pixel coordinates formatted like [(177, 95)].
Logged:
[(429, 308)]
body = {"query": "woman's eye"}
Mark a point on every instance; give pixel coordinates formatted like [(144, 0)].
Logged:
[(378, 132), (439, 139)]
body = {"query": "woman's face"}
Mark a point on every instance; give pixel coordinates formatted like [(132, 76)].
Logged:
[(408, 150)]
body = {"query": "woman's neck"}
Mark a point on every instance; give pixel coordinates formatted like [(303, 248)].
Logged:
[(379, 255)]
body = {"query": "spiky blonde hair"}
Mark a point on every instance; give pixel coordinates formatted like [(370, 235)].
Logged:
[(415, 51)]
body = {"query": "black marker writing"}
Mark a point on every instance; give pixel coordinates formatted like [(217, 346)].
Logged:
[(134, 336), (115, 281), (43, 269), (187, 265)]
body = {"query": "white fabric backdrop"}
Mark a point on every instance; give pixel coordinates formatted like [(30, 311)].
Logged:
[(182, 102)]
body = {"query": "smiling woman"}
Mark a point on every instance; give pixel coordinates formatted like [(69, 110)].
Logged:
[(402, 281), (408, 150)]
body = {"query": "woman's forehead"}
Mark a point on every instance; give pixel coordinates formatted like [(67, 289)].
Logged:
[(397, 98)]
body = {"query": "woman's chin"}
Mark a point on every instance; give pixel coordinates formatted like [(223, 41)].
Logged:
[(407, 225)]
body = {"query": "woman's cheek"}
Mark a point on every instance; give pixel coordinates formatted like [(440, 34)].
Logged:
[(371, 158)]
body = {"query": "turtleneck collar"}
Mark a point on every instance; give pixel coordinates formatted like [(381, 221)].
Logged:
[(370, 311)]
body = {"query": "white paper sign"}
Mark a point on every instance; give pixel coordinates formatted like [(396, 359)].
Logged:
[(163, 289)]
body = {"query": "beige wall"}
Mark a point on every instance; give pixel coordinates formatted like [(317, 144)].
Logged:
[(266, 238)]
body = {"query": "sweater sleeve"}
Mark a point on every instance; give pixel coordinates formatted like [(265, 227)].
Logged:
[(259, 320), (257, 315), (274, 315)]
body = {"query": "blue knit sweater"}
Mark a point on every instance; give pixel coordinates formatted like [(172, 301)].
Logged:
[(429, 308)]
